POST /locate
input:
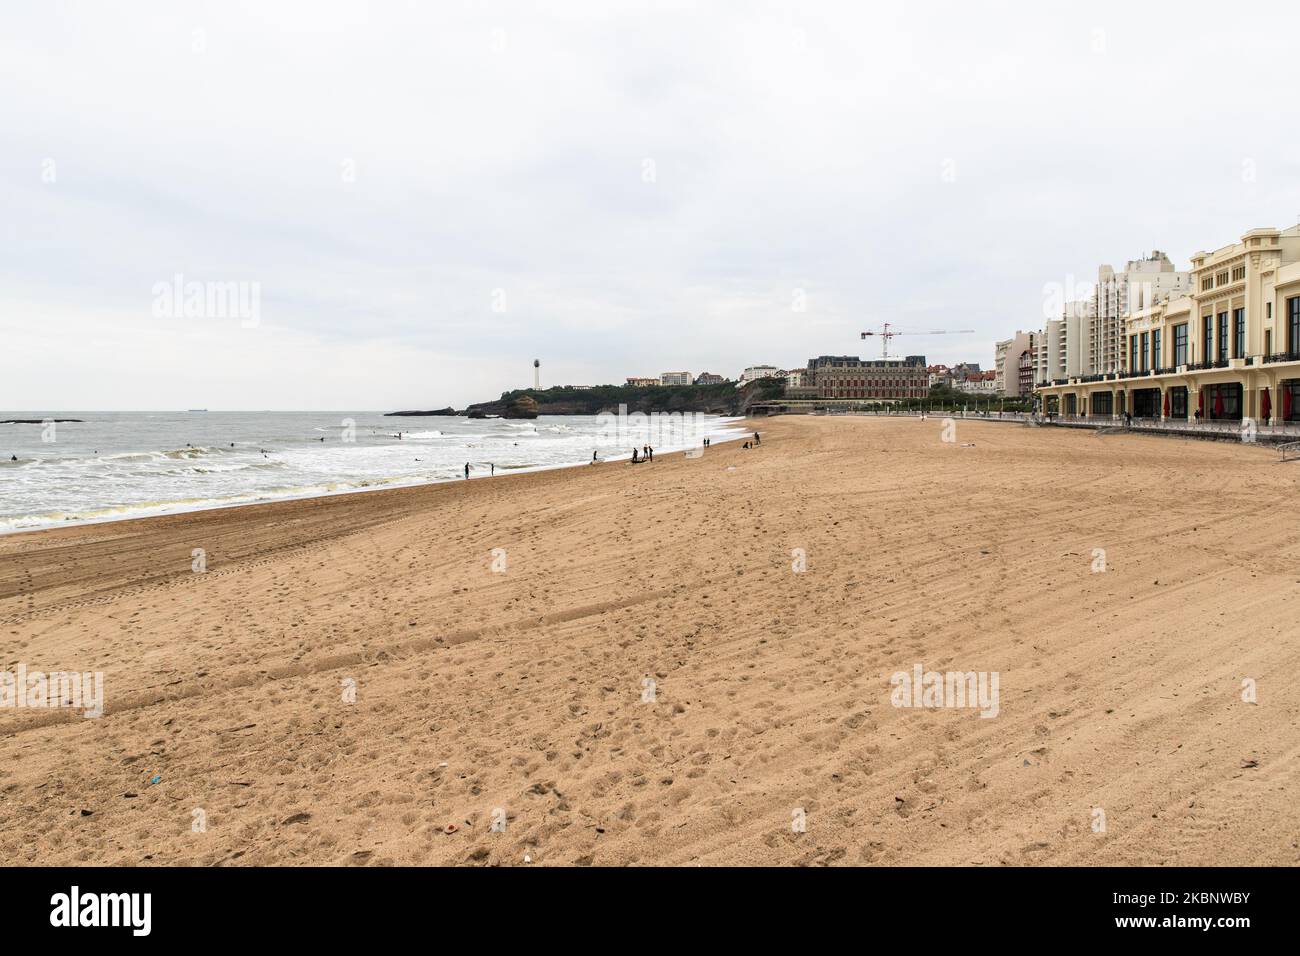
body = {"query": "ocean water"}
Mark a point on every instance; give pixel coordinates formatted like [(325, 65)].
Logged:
[(128, 464)]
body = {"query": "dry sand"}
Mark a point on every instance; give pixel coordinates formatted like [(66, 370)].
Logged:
[(523, 690)]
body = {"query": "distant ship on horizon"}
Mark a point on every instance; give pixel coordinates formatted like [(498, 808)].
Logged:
[(196, 409)]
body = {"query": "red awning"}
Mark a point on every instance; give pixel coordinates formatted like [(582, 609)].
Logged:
[(1265, 405), (1218, 403), (1286, 404), (1200, 401), (1166, 404)]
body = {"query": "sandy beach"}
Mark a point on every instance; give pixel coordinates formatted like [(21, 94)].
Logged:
[(618, 664)]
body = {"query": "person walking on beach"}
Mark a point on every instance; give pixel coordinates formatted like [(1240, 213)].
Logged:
[(757, 440), (593, 457), (467, 469), (651, 451), (493, 473), (634, 457)]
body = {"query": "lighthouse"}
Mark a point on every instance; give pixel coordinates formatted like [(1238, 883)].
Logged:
[(537, 374)]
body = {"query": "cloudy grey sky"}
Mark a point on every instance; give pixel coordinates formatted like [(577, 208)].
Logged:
[(430, 195)]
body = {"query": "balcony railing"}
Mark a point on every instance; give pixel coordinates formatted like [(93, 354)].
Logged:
[(1180, 369)]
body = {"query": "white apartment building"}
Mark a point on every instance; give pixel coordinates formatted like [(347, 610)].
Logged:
[(755, 372), (1063, 347), (1142, 283), (676, 378), (1049, 363), (1078, 322)]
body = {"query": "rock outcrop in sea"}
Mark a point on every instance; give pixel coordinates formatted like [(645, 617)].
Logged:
[(418, 414)]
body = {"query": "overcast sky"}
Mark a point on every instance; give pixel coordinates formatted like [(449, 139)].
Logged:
[(426, 197)]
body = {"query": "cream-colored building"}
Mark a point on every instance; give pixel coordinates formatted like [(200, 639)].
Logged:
[(1006, 363), (1227, 349)]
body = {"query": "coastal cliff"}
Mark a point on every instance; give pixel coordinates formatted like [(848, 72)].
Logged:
[(514, 406)]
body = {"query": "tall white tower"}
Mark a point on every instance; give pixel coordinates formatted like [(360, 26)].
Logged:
[(537, 374)]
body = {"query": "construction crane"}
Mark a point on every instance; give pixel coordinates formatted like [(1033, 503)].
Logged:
[(888, 332)]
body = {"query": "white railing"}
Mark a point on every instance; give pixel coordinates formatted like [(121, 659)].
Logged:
[(982, 415), (1211, 427)]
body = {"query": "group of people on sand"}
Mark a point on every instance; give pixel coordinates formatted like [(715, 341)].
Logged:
[(647, 453)]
